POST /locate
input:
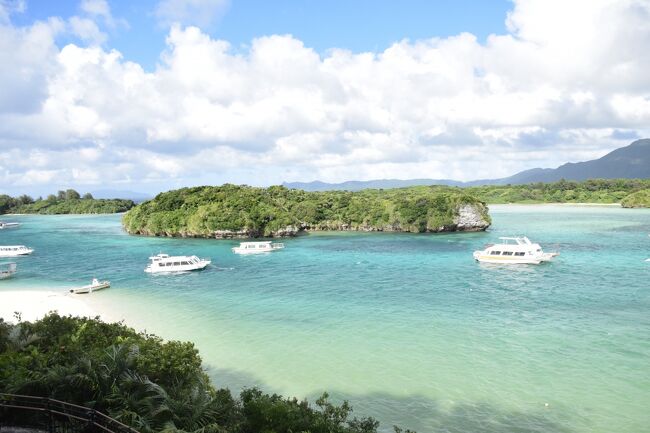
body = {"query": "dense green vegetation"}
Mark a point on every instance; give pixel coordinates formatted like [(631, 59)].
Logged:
[(249, 211), (65, 202), (147, 383), (589, 191), (637, 199)]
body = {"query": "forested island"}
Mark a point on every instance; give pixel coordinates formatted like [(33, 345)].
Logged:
[(147, 383), (242, 211), (64, 202)]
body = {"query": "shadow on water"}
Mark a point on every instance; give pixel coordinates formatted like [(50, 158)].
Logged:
[(425, 415), (422, 414), (235, 380)]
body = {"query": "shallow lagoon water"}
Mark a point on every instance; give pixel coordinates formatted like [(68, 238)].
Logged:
[(407, 327)]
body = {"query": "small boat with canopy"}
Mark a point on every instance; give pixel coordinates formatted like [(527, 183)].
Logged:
[(92, 287), (164, 263), (257, 247), (514, 250), (14, 250), (7, 270)]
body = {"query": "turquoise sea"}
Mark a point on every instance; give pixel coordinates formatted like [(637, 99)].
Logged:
[(407, 327)]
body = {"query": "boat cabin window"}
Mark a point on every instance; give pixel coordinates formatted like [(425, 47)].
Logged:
[(519, 254), (184, 263), (496, 253), (169, 264), (177, 263), (507, 253)]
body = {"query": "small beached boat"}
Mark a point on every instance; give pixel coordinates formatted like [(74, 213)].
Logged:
[(514, 250), (92, 287), (14, 250), (257, 247), (7, 270), (165, 263), (6, 225)]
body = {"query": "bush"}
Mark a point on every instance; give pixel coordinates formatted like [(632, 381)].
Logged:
[(147, 383)]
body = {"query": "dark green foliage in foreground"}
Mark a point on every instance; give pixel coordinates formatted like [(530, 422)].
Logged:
[(147, 383), (201, 211), (637, 199), (589, 191), (65, 202)]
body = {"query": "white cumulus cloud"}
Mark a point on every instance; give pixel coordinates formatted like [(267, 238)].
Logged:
[(556, 87)]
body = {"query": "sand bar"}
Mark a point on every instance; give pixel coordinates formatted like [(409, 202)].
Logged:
[(35, 304)]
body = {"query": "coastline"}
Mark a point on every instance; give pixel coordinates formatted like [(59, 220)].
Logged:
[(556, 204), (60, 214), (34, 304)]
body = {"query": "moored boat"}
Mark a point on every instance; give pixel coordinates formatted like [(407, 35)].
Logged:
[(7, 270), (14, 250), (6, 225), (164, 263), (257, 247), (92, 287), (514, 250)]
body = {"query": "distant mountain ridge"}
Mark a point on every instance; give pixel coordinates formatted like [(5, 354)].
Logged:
[(137, 197), (629, 162)]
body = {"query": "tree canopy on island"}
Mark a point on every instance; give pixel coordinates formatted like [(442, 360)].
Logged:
[(147, 383), (202, 211), (64, 202), (564, 191)]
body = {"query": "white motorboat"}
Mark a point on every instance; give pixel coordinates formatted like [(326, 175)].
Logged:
[(6, 225), (7, 270), (92, 287), (14, 250), (257, 247), (165, 263), (514, 250)]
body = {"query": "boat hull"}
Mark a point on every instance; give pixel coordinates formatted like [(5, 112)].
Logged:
[(481, 257), (508, 261), (257, 248), (176, 269), (246, 251), (16, 254), (91, 288)]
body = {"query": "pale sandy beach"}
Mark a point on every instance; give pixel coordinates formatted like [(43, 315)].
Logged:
[(35, 304)]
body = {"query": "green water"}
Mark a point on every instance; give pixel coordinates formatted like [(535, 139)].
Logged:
[(407, 327)]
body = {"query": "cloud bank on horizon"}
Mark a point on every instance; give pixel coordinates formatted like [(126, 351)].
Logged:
[(568, 81)]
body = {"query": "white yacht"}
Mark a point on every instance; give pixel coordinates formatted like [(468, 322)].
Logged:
[(6, 225), (514, 250), (257, 247), (92, 287), (166, 263), (14, 250), (7, 270)]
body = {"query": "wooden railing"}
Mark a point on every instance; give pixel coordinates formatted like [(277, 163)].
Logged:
[(55, 416)]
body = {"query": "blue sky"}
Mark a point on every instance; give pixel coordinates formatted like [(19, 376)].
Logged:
[(159, 94), (360, 25)]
